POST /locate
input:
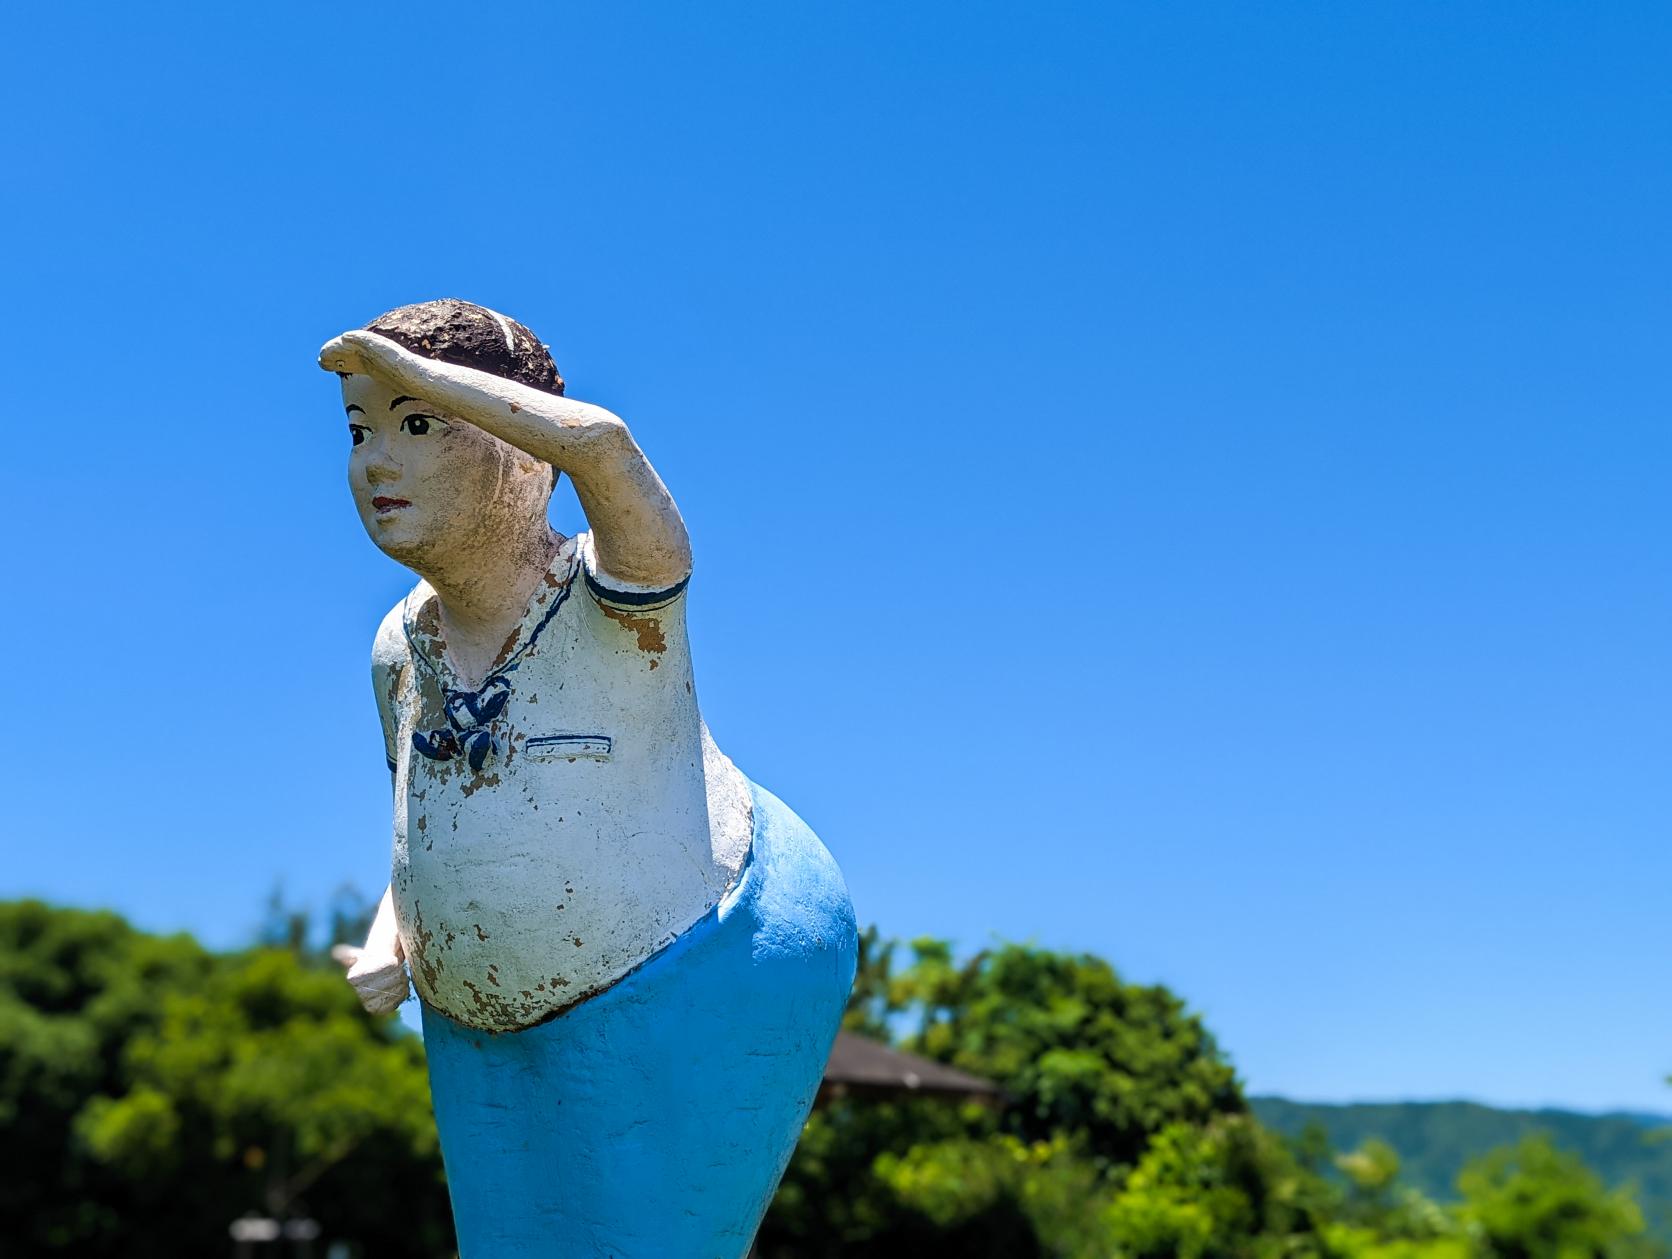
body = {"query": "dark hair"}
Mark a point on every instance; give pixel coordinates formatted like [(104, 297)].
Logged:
[(467, 335)]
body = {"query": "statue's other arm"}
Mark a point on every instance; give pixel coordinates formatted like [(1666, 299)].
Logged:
[(637, 532), (377, 969)]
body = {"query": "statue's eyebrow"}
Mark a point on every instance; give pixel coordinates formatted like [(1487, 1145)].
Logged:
[(399, 400), (352, 407)]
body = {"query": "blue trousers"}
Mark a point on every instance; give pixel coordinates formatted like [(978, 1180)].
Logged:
[(655, 1120)]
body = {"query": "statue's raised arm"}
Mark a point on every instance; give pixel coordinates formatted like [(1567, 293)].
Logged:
[(631, 960), (636, 527)]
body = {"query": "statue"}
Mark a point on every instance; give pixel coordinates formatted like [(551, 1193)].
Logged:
[(631, 960)]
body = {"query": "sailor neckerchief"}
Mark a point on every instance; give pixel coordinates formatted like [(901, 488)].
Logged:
[(470, 714)]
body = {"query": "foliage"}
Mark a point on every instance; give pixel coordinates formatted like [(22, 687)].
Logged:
[(74, 988), (879, 996), (876, 1179), (1436, 1139), (179, 1090), (833, 1201), (1348, 1241), (1533, 1201), (1093, 1069), (1078, 1051), (1376, 1197), (1371, 1170), (151, 1091), (1015, 1198), (1125, 1137), (1227, 1188)]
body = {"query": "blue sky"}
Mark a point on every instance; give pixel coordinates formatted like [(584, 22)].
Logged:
[(1182, 482)]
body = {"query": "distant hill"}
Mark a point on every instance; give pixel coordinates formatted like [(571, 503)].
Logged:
[(1435, 1139)]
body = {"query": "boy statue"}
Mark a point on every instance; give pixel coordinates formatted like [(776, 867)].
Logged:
[(631, 961)]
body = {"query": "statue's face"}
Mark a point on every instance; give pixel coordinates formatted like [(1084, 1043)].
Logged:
[(431, 488)]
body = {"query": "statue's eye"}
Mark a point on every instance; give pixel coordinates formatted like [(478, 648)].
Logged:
[(357, 433), (417, 425)]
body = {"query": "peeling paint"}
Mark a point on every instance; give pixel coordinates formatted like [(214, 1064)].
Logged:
[(684, 1086), (478, 782), (674, 960), (648, 629), (654, 823)]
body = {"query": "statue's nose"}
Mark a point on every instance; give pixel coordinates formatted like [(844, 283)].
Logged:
[(380, 469)]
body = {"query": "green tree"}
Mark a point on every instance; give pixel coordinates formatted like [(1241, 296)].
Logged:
[(74, 988), (878, 996), (1371, 1170), (1092, 1068), (1228, 1189), (1532, 1201), (150, 1092), (1079, 1051), (843, 1194), (1382, 1218), (1006, 1196)]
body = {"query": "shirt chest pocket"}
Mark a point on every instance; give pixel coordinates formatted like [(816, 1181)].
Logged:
[(568, 747)]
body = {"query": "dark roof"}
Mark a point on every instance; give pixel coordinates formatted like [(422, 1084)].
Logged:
[(861, 1066)]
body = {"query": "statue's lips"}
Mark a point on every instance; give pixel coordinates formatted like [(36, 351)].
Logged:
[(384, 506)]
